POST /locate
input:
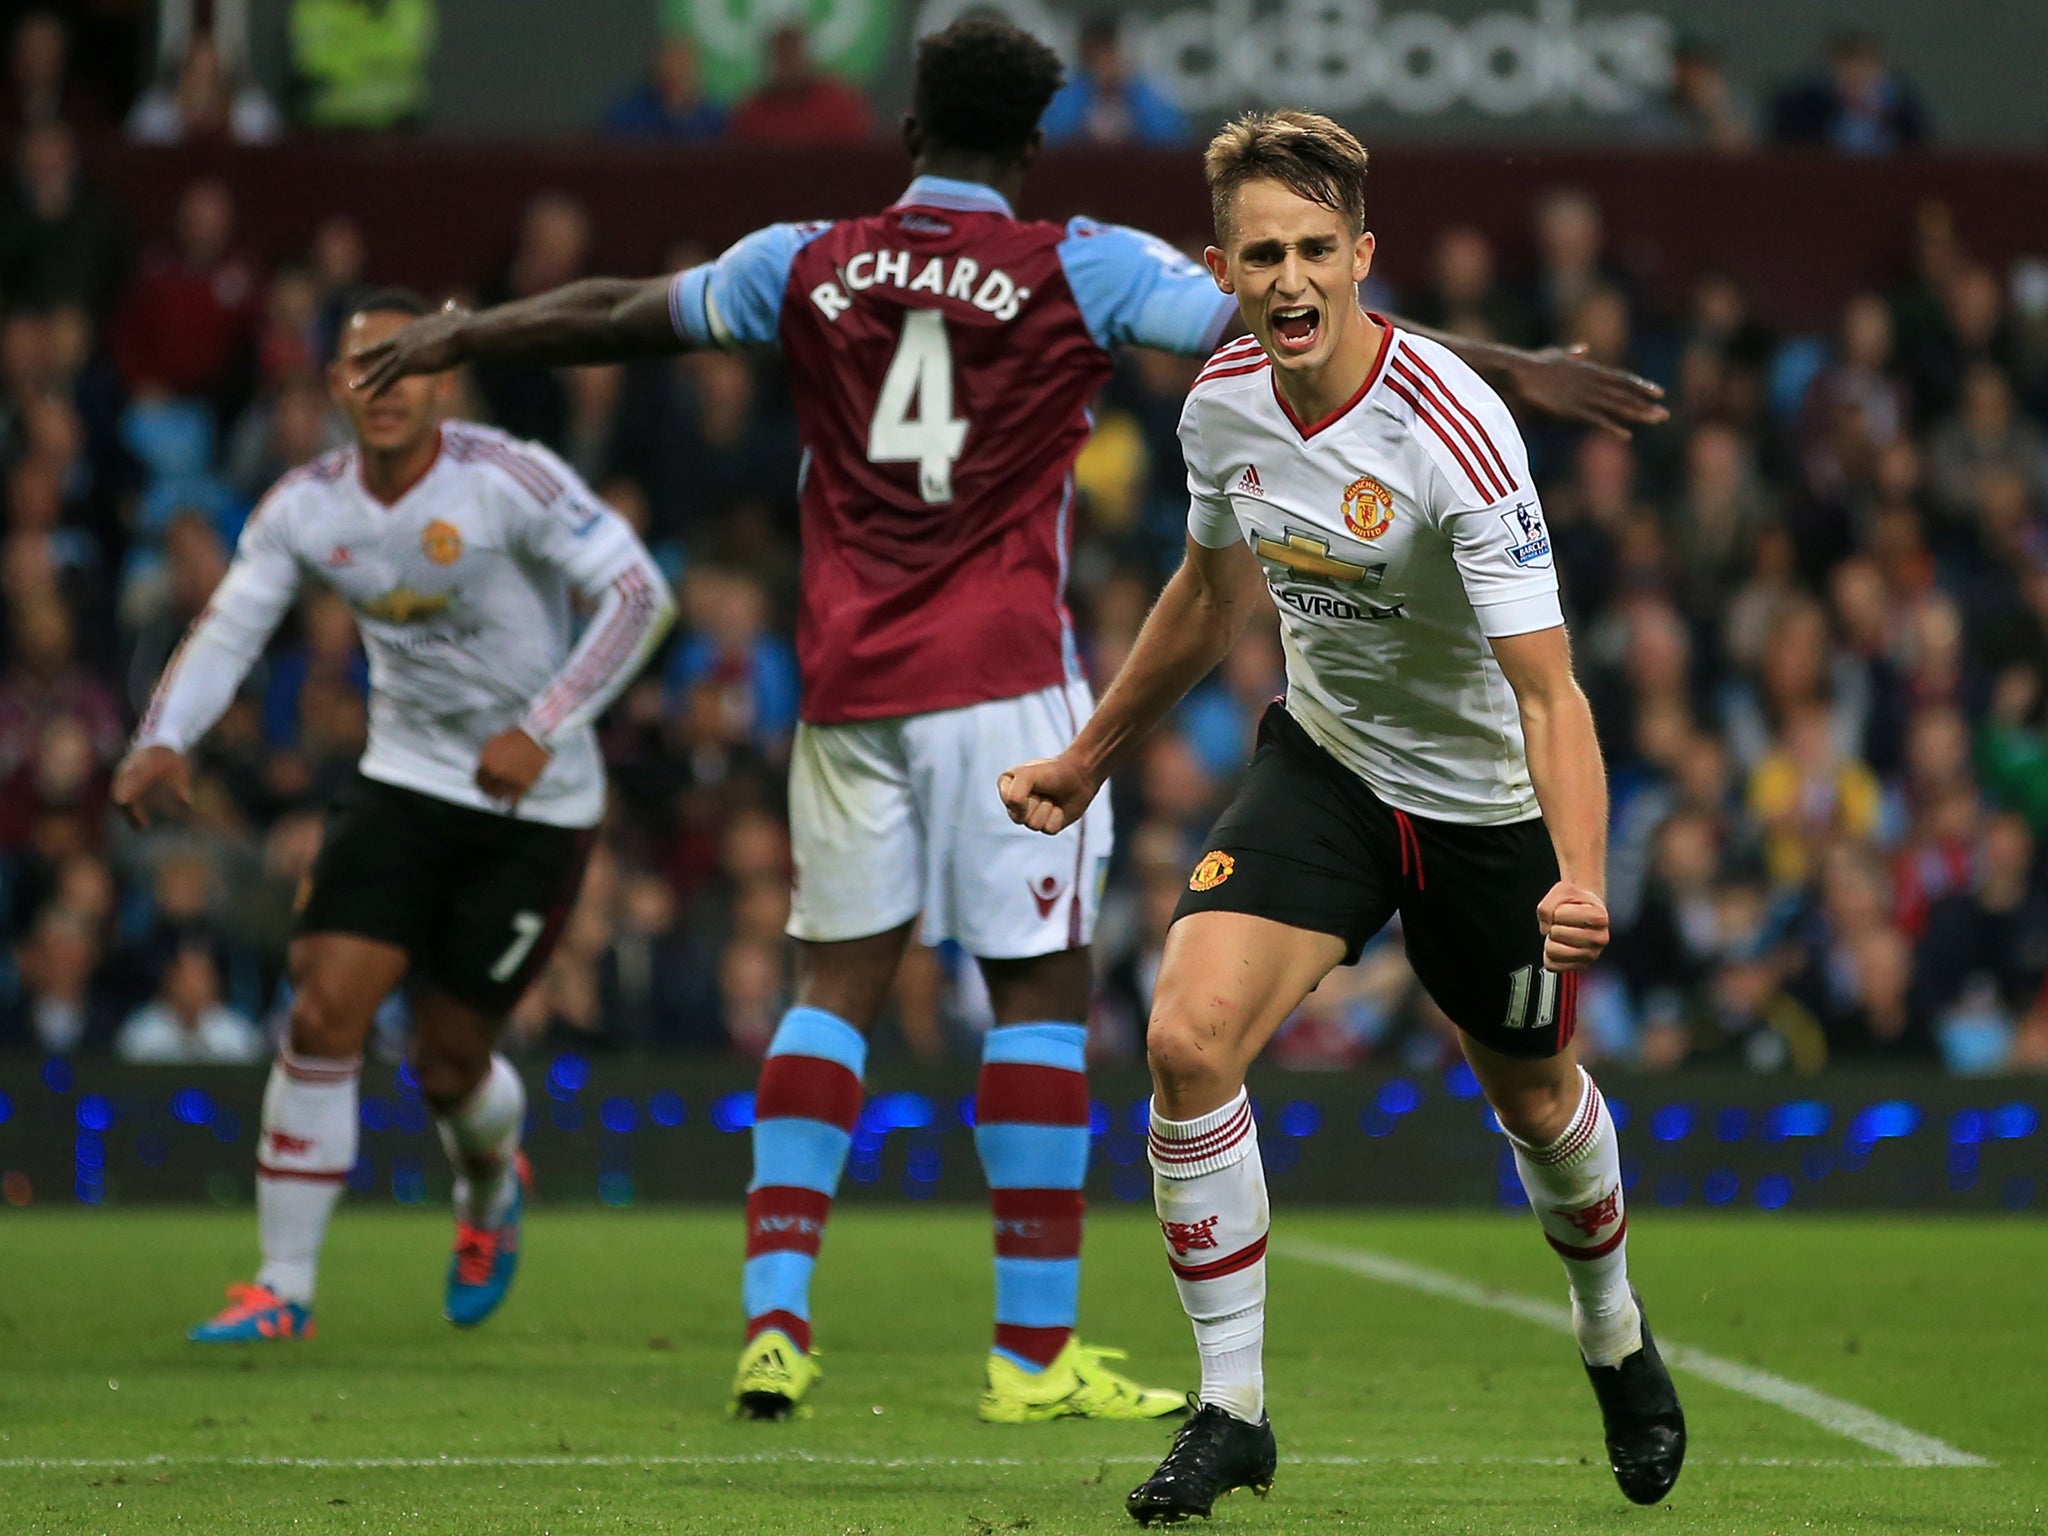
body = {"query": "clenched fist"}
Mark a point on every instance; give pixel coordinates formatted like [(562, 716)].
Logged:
[(1049, 795), (508, 765), (1574, 924), (142, 773)]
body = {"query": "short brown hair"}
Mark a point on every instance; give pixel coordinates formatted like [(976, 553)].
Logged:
[(1304, 151)]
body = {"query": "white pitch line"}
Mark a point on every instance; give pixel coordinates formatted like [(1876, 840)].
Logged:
[(1847, 1419), (798, 1459)]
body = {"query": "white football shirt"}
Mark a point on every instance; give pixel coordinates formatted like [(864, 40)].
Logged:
[(462, 589), (1397, 535)]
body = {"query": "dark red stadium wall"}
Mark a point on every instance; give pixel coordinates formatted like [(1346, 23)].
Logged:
[(1803, 230)]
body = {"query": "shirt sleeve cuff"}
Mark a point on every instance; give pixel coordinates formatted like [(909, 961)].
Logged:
[(1211, 529), (1519, 615), (689, 308)]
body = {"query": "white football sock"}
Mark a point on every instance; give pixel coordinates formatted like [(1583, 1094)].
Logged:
[(481, 1135), (305, 1152), (1209, 1188), (1574, 1187)]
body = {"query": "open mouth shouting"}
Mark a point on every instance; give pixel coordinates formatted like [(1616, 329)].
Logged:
[(1296, 328)]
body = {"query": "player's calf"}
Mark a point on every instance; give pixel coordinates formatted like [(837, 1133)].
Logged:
[(1573, 1180), (1209, 1188)]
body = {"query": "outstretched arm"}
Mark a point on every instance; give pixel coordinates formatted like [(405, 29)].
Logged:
[(1198, 618), (735, 301), (1559, 381), (1556, 381), (597, 320)]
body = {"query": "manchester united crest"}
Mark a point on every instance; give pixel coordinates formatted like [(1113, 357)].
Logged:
[(1368, 507), (1214, 869), (442, 542)]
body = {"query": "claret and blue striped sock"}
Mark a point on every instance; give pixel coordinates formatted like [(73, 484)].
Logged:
[(1031, 1129), (804, 1114)]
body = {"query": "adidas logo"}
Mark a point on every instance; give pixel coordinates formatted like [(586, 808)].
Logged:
[(1249, 484)]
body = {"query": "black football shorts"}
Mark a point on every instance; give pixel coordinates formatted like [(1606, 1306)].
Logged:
[(1307, 843), (477, 899)]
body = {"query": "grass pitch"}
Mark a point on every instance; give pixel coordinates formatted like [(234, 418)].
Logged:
[(594, 1402)]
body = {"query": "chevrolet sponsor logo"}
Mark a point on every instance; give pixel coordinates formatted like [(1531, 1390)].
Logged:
[(1329, 605), (403, 605), (1309, 554)]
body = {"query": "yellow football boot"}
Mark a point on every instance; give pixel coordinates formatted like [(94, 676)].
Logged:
[(773, 1377), (1077, 1385)]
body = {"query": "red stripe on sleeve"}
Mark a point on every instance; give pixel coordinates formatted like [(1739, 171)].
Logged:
[(1437, 427), (1496, 487), (1463, 410)]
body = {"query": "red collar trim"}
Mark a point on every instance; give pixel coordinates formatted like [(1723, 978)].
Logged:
[(1372, 377), (406, 489)]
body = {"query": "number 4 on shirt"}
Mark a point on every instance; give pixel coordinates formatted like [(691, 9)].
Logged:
[(920, 378)]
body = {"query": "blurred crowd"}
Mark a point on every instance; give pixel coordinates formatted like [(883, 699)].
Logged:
[(174, 71), (1812, 613)]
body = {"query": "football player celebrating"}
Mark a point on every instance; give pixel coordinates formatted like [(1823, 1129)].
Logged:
[(1434, 758), (457, 853), (943, 356)]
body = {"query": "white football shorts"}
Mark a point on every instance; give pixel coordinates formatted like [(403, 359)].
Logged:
[(890, 818)]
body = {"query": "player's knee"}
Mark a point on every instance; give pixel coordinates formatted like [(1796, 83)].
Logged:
[(1184, 1066), (321, 1026), (448, 1073), (1536, 1112)]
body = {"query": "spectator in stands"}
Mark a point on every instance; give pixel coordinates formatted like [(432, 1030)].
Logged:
[(1806, 793), (336, 261), (654, 977), (195, 560), (669, 105), (45, 683), (1669, 949), (730, 675), (1109, 100), (294, 426), (204, 99), (288, 346), (187, 1024), (798, 103), (361, 65), (1220, 719), (1994, 928), (552, 248), (1860, 388), (1464, 294), (1571, 266), (328, 652), (1986, 436), (1859, 106), (1700, 109), (696, 432), (188, 322), (1718, 514), (1721, 330), (60, 236), (1588, 516), (40, 86), (62, 1006)]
